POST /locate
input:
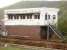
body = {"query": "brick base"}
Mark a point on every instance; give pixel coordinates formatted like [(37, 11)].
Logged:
[(31, 31)]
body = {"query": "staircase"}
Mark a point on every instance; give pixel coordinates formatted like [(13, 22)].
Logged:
[(58, 33)]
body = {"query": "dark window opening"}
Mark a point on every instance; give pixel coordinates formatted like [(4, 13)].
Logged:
[(15, 17), (48, 16), (54, 17), (37, 16), (29, 16), (23, 16), (45, 16), (10, 17)]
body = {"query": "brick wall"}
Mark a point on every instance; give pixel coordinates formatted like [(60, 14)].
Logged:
[(31, 31)]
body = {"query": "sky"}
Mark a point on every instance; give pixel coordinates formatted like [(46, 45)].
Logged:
[(5, 3)]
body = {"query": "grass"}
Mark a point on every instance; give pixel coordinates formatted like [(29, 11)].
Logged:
[(12, 48)]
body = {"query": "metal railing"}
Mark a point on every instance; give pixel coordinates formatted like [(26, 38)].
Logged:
[(58, 33)]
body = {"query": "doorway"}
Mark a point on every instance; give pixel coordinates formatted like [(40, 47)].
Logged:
[(43, 32)]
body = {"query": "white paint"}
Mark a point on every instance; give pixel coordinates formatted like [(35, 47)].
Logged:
[(41, 21)]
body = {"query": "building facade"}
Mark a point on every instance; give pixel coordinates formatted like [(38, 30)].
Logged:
[(31, 22)]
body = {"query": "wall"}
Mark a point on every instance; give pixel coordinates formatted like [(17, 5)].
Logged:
[(41, 21), (31, 31)]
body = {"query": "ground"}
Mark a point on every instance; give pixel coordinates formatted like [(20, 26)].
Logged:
[(15, 48), (11, 48), (24, 47)]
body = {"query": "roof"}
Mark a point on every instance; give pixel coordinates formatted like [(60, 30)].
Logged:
[(30, 10), (28, 4), (31, 4)]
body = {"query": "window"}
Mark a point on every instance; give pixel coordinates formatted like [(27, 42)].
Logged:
[(19, 16), (10, 16), (23, 16), (45, 16), (54, 17), (48, 16), (16, 16), (37, 16), (29, 17)]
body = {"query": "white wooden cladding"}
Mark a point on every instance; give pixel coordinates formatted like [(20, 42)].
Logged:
[(31, 16)]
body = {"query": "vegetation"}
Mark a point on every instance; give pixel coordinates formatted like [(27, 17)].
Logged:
[(62, 23), (11, 48)]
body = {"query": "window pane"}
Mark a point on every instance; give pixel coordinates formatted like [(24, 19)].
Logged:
[(48, 16), (23, 16), (37, 16), (45, 16), (54, 17), (29, 16), (15, 17), (10, 16)]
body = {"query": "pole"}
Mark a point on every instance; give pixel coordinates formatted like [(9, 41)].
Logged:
[(48, 33)]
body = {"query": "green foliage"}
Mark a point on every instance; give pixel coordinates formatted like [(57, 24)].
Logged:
[(62, 21), (11, 48)]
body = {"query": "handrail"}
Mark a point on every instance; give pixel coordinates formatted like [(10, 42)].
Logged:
[(58, 34)]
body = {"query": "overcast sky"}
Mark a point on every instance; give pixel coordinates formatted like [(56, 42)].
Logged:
[(4, 3)]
